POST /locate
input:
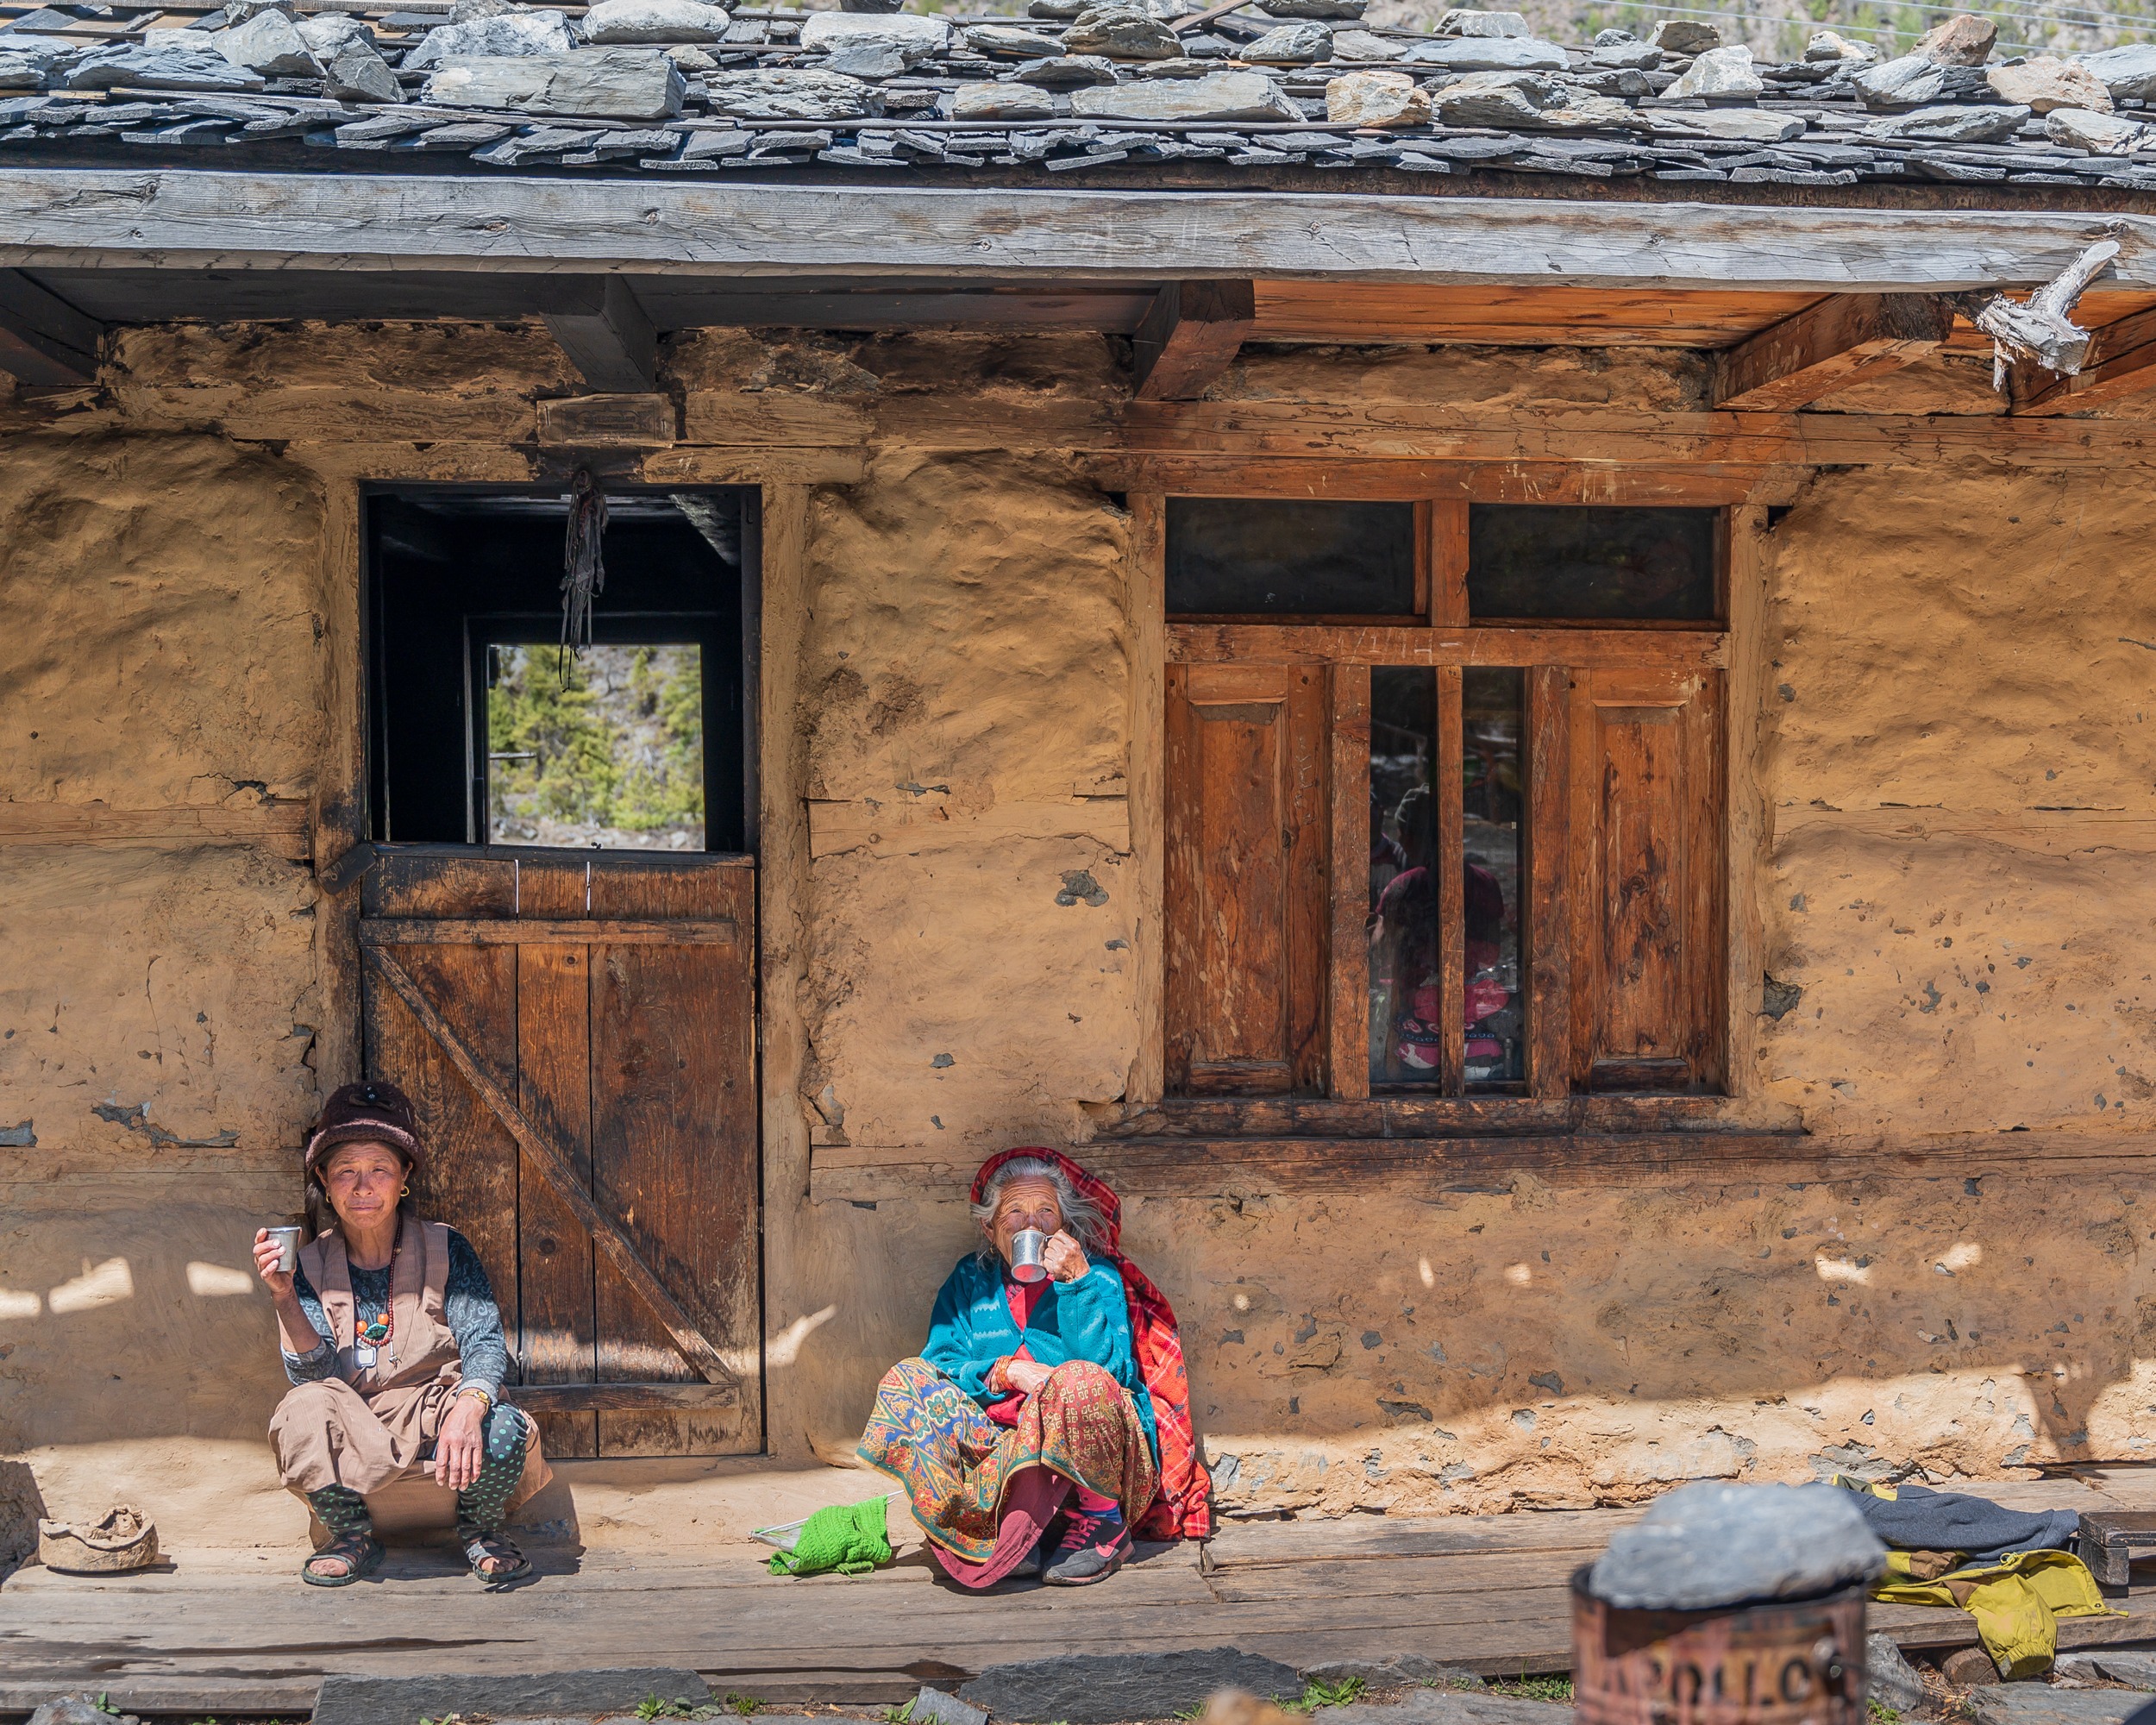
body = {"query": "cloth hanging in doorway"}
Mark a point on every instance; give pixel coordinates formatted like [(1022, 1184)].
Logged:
[(584, 566)]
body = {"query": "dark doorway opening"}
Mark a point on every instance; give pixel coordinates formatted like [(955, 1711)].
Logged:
[(485, 732)]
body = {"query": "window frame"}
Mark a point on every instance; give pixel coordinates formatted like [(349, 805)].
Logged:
[(1551, 655)]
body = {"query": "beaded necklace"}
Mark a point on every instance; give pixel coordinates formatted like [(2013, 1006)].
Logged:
[(376, 1333)]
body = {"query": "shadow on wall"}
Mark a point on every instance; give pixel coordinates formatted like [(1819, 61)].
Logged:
[(134, 1323)]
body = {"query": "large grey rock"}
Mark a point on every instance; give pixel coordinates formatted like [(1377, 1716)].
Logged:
[(19, 72), (1101, 1688), (1503, 100), (357, 73), (1710, 1544), (1394, 1671), (1910, 81), (2129, 74), (202, 68), (903, 30), (1448, 1707), (1626, 56), (597, 84), (1221, 96), (789, 95), (1488, 53), (1950, 126), (269, 43), (1304, 44), (1344, 11), (2038, 1704), (1718, 72), (1121, 33), (498, 36), (1069, 72), (1366, 45), (588, 1694), (1375, 99), (1472, 21), (2047, 82), (2133, 1667), (1682, 36), (1964, 39), (1012, 41), (78, 1710), (1827, 45), (1891, 1678), (611, 22), (1001, 102), (327, 32), (2100, 134)]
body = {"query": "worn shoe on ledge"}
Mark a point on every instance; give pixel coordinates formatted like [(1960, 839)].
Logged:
[(1093, 1548)]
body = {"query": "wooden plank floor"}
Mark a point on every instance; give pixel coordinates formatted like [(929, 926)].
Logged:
[(1486, 1592)]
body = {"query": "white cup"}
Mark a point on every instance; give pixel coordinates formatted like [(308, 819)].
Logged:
[(287, 1247), (1026, 1247)]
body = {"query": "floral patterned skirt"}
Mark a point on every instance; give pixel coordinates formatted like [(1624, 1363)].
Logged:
[(958, 1465)]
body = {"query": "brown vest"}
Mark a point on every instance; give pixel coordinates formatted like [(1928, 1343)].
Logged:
[(424, 1346)]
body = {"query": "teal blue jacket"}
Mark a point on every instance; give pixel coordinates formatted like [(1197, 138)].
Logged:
[(1089, 1319)]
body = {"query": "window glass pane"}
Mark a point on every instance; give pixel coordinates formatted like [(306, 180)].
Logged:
[(1624, 565), (1405, 1038), (1490, 710), (1231, 556), (601, 749)]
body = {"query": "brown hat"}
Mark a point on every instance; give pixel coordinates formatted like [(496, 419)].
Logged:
[(368, 1112)]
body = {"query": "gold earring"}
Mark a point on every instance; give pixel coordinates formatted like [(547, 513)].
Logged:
[(405, 1193)]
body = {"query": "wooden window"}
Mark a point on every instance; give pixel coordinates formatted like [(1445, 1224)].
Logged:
[(1431, 853)]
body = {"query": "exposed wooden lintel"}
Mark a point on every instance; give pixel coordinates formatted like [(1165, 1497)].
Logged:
[(2122, 364), (1843, 340), (1261, 643), (43, 339), (1190, 336), (280, 826), (613, 345)]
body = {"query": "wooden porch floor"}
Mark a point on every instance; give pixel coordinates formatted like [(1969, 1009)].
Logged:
[(1485, 1593)]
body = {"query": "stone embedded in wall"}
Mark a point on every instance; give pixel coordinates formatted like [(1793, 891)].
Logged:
[(2099, 133), (494, 37), (1001, 102), (1493, 53), (1303, 44), (1719, 72), (2129, 72), (612, 22), (1951, 125), (1012, 41), (789, 95), (1964, 39), (269, 43), (599, 83), (1121, 32), (2047, 82), (1375, 99), (1224, 95)]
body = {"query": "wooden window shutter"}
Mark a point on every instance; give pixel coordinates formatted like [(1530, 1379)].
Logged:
[(1646, 886), (1247, 900)]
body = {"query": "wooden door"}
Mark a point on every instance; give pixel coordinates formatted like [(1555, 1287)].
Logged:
[(1646, 892), (575, 1030), (1247, 909)]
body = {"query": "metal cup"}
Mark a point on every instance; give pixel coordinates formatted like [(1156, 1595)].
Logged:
[(287, 1247), (1027, 1245)]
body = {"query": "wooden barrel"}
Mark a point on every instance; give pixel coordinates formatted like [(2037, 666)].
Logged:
[(1787, 1662)]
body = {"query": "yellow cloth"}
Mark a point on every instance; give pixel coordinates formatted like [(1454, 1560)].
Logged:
[(2016, 1599)]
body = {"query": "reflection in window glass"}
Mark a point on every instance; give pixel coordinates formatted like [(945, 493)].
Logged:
[(1621, 565), (1232, 556), (1405, 1037), (1490, 704), (602, 748)]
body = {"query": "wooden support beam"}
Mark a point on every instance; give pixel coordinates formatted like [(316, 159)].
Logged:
[(2122, 364), (1190, 337), (614, 345), (43, 339), (1843, 340)]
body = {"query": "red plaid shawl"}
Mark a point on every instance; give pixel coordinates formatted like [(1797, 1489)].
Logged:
[(1181, 1509)]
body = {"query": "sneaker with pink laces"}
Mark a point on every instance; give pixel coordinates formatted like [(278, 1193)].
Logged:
[(1093, 1548)]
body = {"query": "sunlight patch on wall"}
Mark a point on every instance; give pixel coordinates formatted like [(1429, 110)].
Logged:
[(103, 1285), (218, 1281)]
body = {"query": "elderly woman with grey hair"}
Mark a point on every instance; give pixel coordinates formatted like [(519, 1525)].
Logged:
[(1025, 1432)]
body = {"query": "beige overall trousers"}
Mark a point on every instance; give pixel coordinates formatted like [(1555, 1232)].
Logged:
[(365, 1425)]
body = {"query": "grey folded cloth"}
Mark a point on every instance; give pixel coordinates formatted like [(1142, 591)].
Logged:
[(1917, 1519)]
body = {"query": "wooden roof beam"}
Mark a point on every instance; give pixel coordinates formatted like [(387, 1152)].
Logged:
[(2122, 364), (43, 339), (613, 345), (1844, 339), (1190, 337)]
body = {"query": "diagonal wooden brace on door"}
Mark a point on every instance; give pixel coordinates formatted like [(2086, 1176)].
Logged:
[(554, 1167)]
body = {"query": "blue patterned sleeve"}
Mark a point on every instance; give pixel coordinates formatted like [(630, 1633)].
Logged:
[(321, 1362), (474, 1318)]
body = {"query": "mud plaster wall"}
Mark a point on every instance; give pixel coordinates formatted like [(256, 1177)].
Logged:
[(1964, 643)]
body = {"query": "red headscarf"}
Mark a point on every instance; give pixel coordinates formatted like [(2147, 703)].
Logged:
[(1181, 1509)]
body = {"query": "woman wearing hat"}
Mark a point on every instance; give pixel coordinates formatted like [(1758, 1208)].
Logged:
[(394, 1347)]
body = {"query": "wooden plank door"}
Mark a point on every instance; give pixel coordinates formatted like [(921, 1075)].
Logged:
[(1646, 889), (1247, 910), (576, 1031)]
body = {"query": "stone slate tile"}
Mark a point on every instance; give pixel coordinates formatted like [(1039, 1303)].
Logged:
[(588, 1694), (2039, 1703), (1448, 1707), (1107, 1689)]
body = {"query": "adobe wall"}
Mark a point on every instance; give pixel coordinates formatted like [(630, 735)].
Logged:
[(176, 608)]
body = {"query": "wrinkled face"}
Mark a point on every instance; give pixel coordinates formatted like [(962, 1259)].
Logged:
[(363, 1181), (1025, 1203)]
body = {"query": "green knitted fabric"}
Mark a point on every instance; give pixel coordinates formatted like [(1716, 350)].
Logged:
[(849, 1538)]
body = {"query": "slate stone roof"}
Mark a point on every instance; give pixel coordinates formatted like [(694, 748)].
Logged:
[(683, 86)]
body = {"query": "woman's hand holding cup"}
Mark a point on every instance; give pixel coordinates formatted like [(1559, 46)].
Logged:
[(1064, 1258), (271, 1249)]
